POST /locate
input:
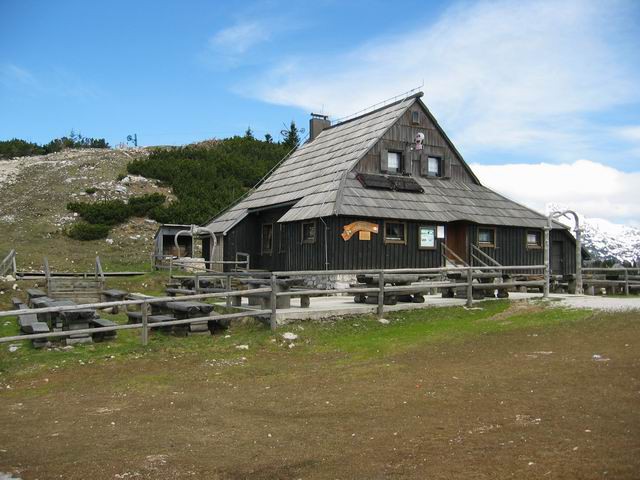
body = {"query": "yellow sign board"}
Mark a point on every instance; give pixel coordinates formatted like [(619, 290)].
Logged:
[(353, 228)]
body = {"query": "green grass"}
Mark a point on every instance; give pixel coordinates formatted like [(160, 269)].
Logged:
[(348, 339)]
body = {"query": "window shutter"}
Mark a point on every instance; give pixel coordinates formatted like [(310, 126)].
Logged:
[(446, 167), (424, 162), (384, 160), (405, 162)]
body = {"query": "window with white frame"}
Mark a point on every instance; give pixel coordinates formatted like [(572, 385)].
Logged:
[(394, 162)]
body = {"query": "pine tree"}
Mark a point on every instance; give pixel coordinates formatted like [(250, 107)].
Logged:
[(268, 138), (291, 136), (249, 133)]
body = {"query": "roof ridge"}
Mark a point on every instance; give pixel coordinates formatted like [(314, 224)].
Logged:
[(392, 104)]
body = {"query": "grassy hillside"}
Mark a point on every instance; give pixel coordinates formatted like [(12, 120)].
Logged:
[(35, 192), (197, 180)]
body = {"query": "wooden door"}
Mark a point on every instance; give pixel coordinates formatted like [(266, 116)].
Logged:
[(557, 257), (457, 241)]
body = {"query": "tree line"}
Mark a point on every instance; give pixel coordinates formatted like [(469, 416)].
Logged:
[(21, 148)]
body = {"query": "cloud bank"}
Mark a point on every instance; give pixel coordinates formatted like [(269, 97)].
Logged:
[(499, 75), (593, 189)]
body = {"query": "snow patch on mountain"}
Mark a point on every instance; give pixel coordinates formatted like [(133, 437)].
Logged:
[(604, 239)]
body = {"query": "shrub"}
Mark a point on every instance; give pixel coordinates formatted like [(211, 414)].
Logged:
[(21, 148), (107, 212), (207, 178), (88, 231), (90, 190), (142, 205)]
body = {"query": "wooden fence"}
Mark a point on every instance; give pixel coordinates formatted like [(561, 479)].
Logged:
[(469, 279), (8, 264), (625, 279)]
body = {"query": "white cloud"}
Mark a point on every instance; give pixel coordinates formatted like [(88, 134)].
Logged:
[(630, 133), (239, 38), (593, 189), (498, 75)]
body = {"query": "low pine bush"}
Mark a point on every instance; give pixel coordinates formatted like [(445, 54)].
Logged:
[(88, 231)]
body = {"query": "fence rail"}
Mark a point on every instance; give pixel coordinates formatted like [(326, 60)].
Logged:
[(467, 279), (592, 278), (8, 264)]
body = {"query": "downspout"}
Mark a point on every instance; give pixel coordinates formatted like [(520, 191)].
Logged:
[(326, 246)]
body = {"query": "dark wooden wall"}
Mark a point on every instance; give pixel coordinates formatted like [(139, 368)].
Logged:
[(511, 247), (290, 253), (351, 254), (401, 136)]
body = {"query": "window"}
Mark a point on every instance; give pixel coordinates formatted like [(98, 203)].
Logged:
[(395, 232), (394, 162), (426, 237), (534, 239), (415, 117), (309, 232), (434, 167), (487, 237), (267, 238)]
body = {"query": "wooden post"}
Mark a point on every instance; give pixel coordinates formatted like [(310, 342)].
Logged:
[(14, 266), (197, 282), (145, 323), (228, 288), (274, 301), (381, 294), (547, 270), (626, 281), (469, 287), (171, 266)]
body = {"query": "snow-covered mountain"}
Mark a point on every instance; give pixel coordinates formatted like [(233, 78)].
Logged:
[(605, 240)]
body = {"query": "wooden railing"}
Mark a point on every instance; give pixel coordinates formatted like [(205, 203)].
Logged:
[(8, 264), (593, 277), (466, 278), (475, 251), (447, 253)]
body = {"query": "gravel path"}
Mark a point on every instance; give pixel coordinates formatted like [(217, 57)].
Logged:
[(609, 304)]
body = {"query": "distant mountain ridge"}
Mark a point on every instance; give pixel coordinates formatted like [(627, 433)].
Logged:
[(605, 240)]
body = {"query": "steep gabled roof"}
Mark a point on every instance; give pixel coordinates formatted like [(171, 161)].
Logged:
[(312, 175), (318, 180)]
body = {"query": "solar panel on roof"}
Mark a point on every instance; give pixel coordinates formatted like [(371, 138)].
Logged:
[(406, 184), (375, 181), (382, 182)]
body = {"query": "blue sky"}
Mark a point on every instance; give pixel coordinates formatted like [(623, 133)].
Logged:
[(553, 84)]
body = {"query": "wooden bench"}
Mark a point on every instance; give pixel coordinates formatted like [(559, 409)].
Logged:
[(102, 336), (114, 295)]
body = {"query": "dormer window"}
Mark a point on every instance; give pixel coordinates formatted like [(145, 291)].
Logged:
[(415, 117), (394, 162)]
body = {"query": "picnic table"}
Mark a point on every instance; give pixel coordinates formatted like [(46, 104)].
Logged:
[(34, 293), (391, 298), (190, 309), (114, 295), (264, 299)]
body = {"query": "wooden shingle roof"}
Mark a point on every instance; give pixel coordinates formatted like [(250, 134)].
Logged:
[(312, 175), (317, 181)]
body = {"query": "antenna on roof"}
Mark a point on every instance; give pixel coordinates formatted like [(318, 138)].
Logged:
[(402, 96)]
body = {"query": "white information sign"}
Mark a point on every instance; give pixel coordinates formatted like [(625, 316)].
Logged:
[(427, 237), (440, 231)]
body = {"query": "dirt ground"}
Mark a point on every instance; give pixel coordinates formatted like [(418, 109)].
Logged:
[(527, 403)]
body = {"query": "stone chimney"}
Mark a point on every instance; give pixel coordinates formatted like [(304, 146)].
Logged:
[(317, 123)]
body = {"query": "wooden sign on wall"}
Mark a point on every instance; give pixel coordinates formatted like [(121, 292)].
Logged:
[(365, 229)]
